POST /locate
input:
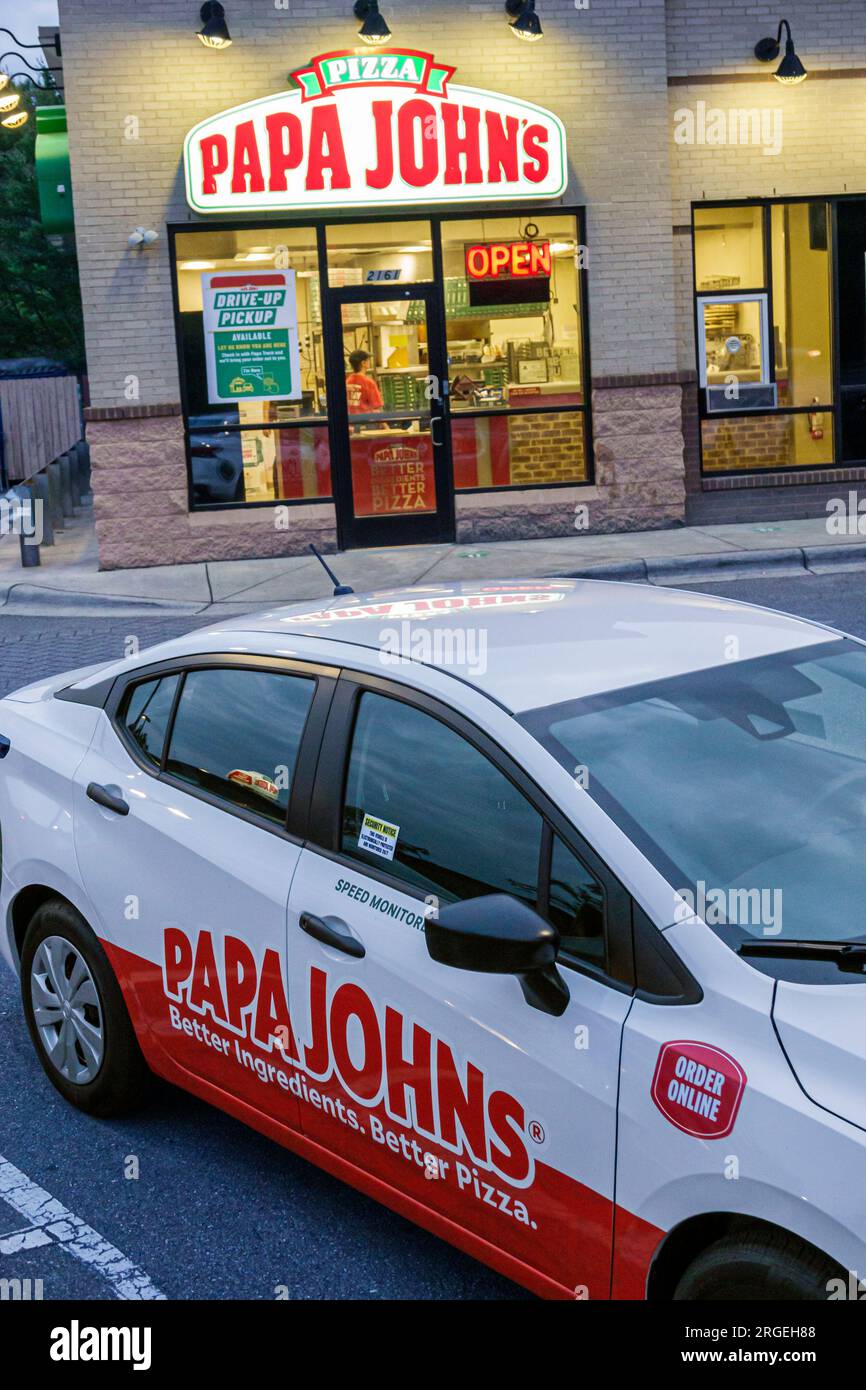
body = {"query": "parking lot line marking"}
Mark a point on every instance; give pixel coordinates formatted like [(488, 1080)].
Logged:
[(47, 1215), (28, 1239)]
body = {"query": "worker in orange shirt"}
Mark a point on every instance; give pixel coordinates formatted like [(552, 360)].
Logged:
[(363, 394)]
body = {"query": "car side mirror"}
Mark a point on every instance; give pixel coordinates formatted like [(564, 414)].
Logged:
[(499, 935)]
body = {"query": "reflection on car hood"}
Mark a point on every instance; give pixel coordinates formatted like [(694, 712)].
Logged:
[(821, 1028)]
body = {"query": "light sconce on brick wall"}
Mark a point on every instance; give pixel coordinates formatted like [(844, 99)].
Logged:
[(524, 22), (790, 70), (373, 28), (214, 32)]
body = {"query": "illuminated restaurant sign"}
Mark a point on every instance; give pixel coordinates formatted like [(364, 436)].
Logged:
[(373, 130), (508, 260)]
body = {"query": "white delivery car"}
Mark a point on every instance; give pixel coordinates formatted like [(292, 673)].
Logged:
[(536, 910)]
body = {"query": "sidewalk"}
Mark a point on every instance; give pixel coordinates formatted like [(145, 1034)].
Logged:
[(68, 582)]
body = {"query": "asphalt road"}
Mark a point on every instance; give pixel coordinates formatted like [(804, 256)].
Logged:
[(217, 1211)]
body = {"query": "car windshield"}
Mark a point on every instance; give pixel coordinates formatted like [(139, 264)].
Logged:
[(745, 785)]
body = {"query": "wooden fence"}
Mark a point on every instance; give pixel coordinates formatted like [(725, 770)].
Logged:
[(40, 417)]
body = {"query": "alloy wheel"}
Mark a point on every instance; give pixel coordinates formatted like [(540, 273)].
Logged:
[(67, 1010)]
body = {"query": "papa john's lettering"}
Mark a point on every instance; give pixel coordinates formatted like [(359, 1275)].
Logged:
[(377, 1055)]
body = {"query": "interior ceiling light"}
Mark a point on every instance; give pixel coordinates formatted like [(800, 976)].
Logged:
[(373, 28), (790, 70), (214, 32), (525, 23)]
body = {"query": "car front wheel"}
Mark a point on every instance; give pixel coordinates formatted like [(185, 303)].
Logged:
[(76, 1015), (757, 1267)]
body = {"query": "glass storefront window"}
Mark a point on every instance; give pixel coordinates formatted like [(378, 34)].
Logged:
[(729, 248), (519, 450), (513, 312), (370, 253), (765, 349), (750, 443), (801, 303), (260, 465), (261, 372), (259, 337)]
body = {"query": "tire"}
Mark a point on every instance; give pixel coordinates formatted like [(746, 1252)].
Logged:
[(96, 1063), (758, 1268)]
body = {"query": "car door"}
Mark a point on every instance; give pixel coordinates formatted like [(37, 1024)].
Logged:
[(182, 812), (489, 1120)]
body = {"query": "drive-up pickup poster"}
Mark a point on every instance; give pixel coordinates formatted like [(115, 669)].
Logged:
[(251, 336)]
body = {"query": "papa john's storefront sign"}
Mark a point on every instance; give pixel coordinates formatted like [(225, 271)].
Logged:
[(369, 130)]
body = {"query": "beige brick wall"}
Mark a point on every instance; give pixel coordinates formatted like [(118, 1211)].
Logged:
[(822, 149)]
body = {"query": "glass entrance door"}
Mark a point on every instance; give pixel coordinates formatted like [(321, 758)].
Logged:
[(390, 447)]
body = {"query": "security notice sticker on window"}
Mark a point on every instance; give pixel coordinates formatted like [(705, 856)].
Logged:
[(378, 836)]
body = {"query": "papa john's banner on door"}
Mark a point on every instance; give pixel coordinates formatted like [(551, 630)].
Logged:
[(251, 335), (379, 129)]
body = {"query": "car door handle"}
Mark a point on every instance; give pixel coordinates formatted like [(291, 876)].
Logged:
[(103, 797), (332, 931)]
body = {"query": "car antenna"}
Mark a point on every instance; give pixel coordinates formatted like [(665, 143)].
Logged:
[(339, 588)]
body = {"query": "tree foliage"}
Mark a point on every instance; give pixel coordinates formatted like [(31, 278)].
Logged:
[(40, 299)]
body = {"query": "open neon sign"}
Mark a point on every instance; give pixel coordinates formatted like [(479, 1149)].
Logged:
[(508, 260)]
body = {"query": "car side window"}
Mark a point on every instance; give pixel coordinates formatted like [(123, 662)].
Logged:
[(236, 735), (425, 805), (576, 906), (146, 712)]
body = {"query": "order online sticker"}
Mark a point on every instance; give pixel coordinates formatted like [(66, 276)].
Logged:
[(378, 836)]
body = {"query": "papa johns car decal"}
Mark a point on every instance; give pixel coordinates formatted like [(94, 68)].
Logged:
[(471, 1127), (698, 1088)]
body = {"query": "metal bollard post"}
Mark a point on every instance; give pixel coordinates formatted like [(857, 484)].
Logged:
[(66, 485), (43, 505), (55, 496), (83, 451), (74, 477), (29, 551)]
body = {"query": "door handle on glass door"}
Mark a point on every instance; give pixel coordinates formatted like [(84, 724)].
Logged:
[(332, 931), (434, 421), (103, 797)]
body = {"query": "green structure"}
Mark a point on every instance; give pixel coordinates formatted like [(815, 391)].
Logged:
[(52, 170)]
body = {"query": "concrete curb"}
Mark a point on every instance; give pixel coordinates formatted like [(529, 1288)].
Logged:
[(37, 598), (720, 566)]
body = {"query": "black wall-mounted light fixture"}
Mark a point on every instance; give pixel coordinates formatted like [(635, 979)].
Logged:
[(214, 32), (11, 117), (373, 28), (790, 70), (525, 23)]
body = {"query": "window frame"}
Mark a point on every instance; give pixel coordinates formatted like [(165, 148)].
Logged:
[(294, 825), (760, 298), (328, 799), (435, 215), (833, 409)]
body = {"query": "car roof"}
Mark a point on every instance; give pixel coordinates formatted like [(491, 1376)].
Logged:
[(527, 643)]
